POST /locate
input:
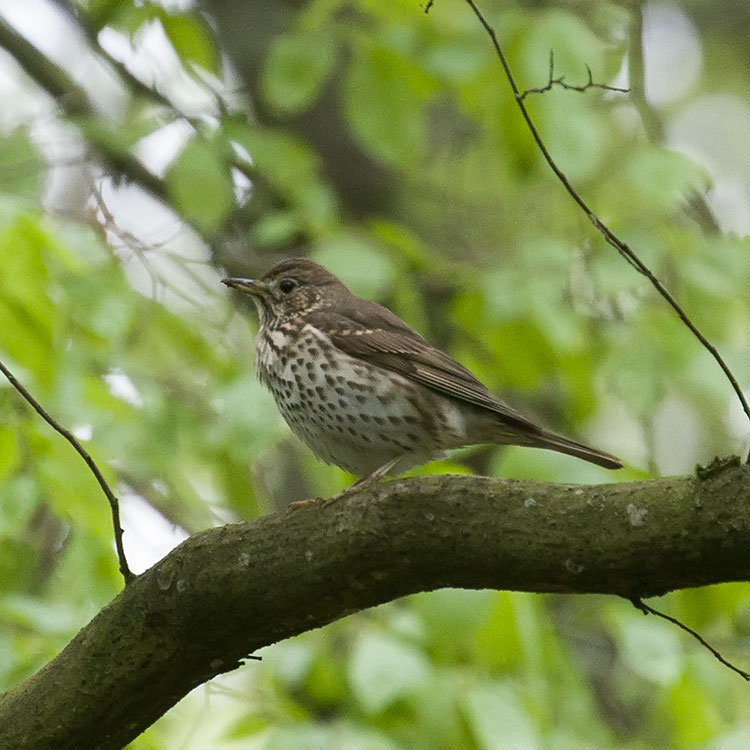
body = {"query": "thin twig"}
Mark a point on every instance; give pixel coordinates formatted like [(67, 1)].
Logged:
[(647, 610), (621, 247), (83, 453), (560, 81)]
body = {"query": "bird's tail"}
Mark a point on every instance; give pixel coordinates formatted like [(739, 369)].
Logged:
[(555, 442)]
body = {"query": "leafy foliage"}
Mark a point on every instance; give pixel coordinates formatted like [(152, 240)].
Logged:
[(130, 340)]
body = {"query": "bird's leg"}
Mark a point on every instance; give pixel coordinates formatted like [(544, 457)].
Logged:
[(297, 504), (367, 481)]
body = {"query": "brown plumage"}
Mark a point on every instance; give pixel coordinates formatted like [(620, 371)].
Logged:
[(367, 392)]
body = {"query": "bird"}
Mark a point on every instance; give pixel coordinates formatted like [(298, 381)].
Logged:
[(364, 391)]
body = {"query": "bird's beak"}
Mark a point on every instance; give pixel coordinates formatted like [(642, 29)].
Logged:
[(256, 287)]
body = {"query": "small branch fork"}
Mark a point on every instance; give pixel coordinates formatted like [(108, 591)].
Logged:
[(560, 81), (647, 610), (114, 504), (621, 247)]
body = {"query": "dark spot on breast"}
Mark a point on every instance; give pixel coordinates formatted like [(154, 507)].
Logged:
[(300, 361), (394, 420), (324, 366), (330, 379), (410, 420), (385, 398), (351, 417), (320, 391), (364, 417), (352, 432), (379, 420), (340, 378), (361, 398), (313, 352), (411, 436), (343, 403), (339, 390)]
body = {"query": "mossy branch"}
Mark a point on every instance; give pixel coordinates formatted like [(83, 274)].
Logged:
[(226, 592)]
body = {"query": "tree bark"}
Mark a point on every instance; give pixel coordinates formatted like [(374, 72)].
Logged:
[(228, 591)]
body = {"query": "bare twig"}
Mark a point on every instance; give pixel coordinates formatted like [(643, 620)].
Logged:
[(647, 610), (114, 504), (560, 81), (141, 249), (621, 247)]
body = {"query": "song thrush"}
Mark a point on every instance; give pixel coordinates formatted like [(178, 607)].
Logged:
[(365, 391)]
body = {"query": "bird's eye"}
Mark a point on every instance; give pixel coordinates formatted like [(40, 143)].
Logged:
[(286, 285)]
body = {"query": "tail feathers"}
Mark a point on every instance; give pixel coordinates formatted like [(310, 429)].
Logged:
[(570, 447)]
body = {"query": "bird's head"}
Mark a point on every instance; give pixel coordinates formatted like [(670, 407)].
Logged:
[(291, 288)]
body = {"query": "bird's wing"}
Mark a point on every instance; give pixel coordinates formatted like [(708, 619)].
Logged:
[(377, 336)]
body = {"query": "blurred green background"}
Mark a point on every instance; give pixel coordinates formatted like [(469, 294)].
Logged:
[(147, 149)]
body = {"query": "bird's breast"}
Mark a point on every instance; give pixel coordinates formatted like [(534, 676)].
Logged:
[(349, 412)]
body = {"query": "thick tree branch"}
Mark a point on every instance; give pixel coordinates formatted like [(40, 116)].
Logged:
[(226, 592)]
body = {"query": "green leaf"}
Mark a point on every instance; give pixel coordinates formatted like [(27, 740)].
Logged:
[(651, 649), (192, 40), (494, 712), (497, 642), (359, 262), (298, 65), (17, 559), (99, 12), (292, 167), (129, 18), (385, 99), (27, 315), (199, 183), (382, 670), (21, 169), (8, 450)]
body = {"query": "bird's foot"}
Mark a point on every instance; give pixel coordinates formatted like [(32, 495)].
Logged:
[(339, 495), (297, 504)]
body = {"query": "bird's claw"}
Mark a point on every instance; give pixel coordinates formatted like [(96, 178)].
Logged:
[(297, 504)]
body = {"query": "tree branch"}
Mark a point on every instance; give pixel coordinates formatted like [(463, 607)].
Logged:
[(75, 103), (226, 592), (114, 503)]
